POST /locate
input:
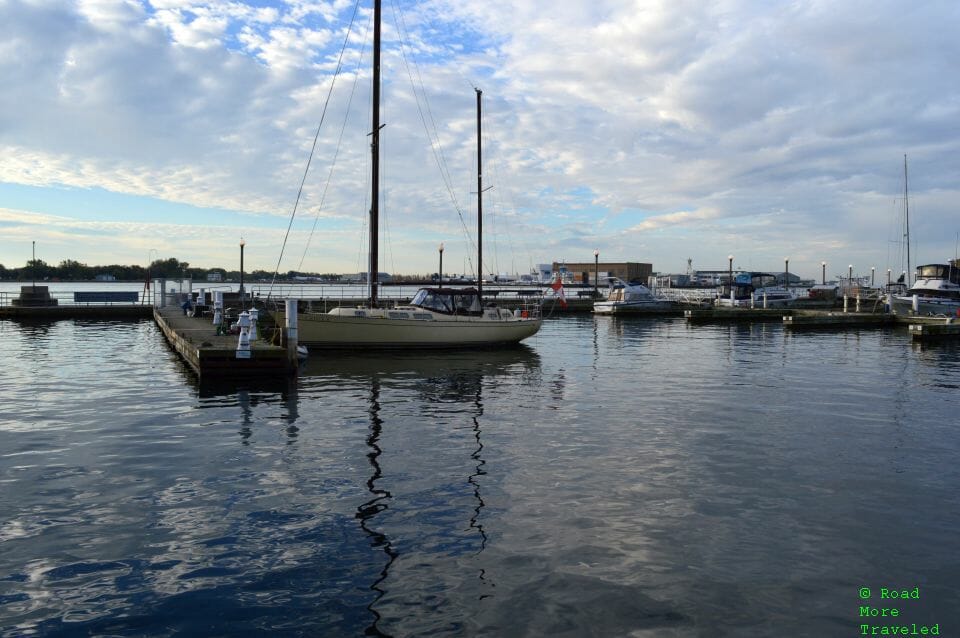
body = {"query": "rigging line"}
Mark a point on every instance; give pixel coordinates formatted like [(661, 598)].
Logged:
[(336, 153), (404, 34), (434, 145), (313, 148), (505, 193)]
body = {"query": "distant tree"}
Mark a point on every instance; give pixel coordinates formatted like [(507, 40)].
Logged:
[(71, 270), (169, 268), (36, 269)]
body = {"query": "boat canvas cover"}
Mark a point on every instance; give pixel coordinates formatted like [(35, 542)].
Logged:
[(450, 301)]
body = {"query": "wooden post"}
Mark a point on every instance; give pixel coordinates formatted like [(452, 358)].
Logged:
[(290, 321)]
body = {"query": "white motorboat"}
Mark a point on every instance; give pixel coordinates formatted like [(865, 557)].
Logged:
[(631, 298), (754, 290), (436, 317), (936, 291)]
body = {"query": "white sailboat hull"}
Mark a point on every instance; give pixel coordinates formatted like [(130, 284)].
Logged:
[(324, 330)]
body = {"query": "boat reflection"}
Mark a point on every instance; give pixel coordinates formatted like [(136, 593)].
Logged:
[(442, 385)]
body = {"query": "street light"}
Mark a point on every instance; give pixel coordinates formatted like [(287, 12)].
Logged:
[(889, 272), (242, 244), (873, 271), (596, 271), (786, 272), (823, 274), (850, 275), (440, 274), (730, 276)]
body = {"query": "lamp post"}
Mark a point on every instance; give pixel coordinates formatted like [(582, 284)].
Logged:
[(730, 276), (850, 275), (242, 244), (873, 272), (596, 271), (889, 272), (440, 274), (34, 264), (823, 273), (786, 272)]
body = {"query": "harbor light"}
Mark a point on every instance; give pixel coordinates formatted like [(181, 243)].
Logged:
[(242, 244), (440, 273), (596, 271), (730, 268)]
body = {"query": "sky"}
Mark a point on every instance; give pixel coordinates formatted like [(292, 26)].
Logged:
[(650, 131)]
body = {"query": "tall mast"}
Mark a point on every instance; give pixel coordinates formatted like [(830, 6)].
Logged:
[(479, 204), (906, 208), (373, 274)]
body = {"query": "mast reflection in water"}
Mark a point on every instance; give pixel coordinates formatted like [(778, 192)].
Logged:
[(375, 505)]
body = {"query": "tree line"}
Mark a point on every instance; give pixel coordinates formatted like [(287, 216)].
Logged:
[(171, 268), (71, 270)]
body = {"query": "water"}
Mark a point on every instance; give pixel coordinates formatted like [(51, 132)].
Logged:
[(614, 477)]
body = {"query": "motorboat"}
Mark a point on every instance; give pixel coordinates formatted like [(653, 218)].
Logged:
[(936, 291), (754, 290), (631, 298)]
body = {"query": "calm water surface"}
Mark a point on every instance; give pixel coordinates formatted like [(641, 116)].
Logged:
[(612, 478)]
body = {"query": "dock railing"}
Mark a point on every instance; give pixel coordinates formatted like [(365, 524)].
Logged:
[(80, 298)]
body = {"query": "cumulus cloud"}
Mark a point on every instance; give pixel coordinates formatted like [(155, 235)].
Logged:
[(730, 125)]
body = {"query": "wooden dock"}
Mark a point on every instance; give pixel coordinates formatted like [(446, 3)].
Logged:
[(210, 355), (722, 315), (833, 320), (933, 328)]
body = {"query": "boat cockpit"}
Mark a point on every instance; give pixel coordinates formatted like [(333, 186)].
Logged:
[(449, 301)]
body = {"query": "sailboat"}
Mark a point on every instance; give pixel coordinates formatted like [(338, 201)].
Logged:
[(936, 287), (435, 317)]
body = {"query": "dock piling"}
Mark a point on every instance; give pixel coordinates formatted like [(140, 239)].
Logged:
[(290, 321), (243, 343)]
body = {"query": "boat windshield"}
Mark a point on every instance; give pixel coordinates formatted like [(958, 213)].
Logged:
[(449, 301), (936, 271)]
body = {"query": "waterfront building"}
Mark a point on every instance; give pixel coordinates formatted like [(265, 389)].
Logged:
[(586, 272)]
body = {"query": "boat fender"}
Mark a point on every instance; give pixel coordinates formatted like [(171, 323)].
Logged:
[(524, 314), (516, 313)]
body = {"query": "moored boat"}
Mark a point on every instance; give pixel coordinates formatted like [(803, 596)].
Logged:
[(754, 289), (936, 291), (436, 317), (631, 298)]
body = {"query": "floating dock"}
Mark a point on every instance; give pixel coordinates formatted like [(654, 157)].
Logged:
[(215, 356), (720, 315), (932, 328), (835, 320)]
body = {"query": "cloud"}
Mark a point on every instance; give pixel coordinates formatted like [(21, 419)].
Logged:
[(674, 220), (723, 125)]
